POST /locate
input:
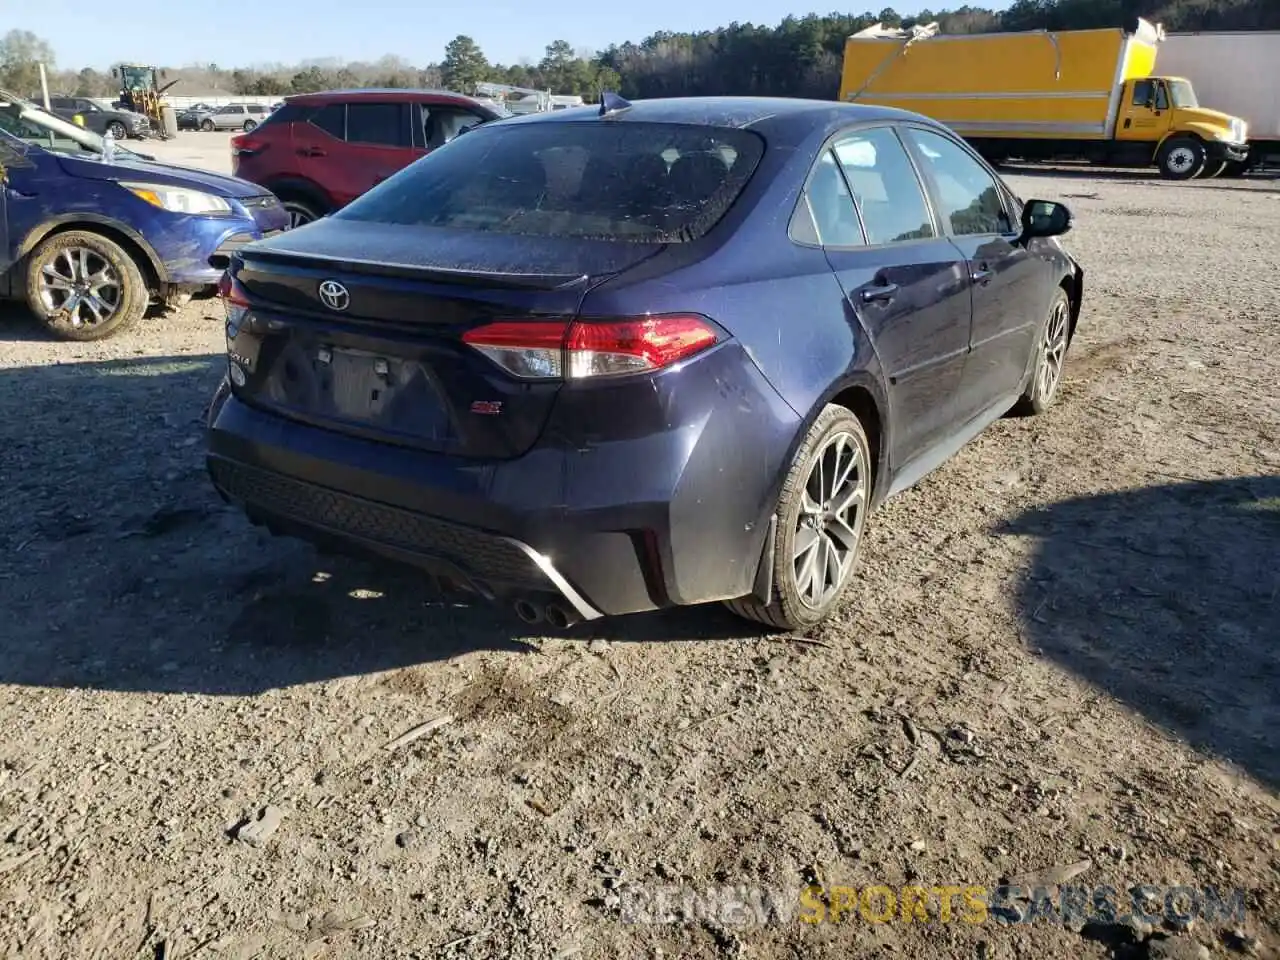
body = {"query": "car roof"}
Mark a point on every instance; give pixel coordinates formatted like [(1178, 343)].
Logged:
[(770, 115)]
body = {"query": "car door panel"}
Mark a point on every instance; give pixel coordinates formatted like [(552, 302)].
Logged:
[(1007, 280), (907, 285), (376, 142), (321, 152)]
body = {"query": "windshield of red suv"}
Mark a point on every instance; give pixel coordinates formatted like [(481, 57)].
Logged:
[(641, 182)]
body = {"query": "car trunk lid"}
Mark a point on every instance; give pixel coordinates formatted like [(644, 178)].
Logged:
[(357, 327)]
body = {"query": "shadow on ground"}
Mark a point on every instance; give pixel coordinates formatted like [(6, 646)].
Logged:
[(19, 325), (120, 568), (1168, 599)]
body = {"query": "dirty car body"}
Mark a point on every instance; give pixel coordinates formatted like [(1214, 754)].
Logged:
[(569, 360)]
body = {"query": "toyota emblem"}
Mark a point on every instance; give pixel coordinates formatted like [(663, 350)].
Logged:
[(334, 295)]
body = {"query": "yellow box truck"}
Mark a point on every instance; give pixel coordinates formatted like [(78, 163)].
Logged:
[(1075, 95)]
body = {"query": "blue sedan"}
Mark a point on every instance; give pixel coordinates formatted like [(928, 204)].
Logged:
[(92, 240), (604, 361)]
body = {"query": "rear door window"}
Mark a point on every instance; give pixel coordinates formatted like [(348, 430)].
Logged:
[(642, 182), (831, 205), (885, 186), (381, 124), (332, 119)]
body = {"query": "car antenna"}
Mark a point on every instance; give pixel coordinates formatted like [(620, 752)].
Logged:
[(611, 103)]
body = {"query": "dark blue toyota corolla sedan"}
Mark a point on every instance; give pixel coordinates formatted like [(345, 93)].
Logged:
[(603, 361)]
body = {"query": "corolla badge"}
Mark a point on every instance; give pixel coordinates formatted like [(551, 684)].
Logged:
[(334, 295)]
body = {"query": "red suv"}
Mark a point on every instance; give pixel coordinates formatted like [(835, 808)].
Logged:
[(320, 151)]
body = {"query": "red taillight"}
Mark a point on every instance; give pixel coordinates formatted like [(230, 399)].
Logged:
[(245, 146), (573, 350), (231, 292)]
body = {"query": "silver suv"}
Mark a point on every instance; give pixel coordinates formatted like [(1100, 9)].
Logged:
[(235, 116)]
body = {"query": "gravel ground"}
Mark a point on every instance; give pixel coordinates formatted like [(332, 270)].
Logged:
[(1062, 650)]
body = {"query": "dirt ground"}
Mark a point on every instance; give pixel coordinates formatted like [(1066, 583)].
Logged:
[(1062, 650)]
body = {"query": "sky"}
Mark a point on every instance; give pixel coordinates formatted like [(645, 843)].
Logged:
[(183, 32)]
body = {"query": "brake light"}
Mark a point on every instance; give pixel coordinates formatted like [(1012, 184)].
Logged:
[(231, 292), (245, 146), (577, 349)]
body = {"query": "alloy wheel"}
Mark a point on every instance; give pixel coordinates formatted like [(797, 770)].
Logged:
[(297, 216), (1054, 351), (830, 521), (81, 284)]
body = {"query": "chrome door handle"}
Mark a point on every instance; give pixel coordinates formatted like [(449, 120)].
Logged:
[(980, 276), (884, 291)]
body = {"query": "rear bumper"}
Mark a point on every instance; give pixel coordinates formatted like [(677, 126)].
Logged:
[(670, 516)]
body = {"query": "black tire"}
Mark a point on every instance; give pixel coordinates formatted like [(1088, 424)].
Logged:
[(788, 608), (1044, 385), (206, 125), (1212, 170), (118, 130), (300, 212), (249, 125), (59, 257), (1233, 168), (1181, 158)]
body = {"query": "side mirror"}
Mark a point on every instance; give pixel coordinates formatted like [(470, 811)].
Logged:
[(1044, 218)]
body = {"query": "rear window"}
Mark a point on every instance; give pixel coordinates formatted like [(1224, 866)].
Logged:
[(641, 182)]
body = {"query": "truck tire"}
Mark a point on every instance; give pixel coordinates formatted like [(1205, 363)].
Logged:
[(1234, 168), (1181, 158), (82, 285)]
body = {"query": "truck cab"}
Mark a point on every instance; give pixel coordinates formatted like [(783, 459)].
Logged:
[(1162, 115)]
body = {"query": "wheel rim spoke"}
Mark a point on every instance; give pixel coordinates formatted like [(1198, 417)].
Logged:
[(806, 543)]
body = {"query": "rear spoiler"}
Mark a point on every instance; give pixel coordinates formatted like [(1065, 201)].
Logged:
[(475, 278)]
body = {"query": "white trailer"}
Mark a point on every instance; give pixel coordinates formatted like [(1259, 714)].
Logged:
[(1237, 72)]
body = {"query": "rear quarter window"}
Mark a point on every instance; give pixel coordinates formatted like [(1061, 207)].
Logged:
[(331, 118), (640, 182)]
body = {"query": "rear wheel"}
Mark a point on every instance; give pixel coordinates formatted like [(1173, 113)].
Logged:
[(249, 125), (1050, 359), (84, 286), (819, 520), (1181, 158)]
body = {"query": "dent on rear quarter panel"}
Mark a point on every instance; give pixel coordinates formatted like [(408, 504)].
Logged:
[(728, 490)]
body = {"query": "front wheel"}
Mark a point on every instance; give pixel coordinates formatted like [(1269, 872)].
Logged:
[(117, 130), (1181, 158), (300, 213), (1050, 359), (206, 126), (819, 521), (84, 286)]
